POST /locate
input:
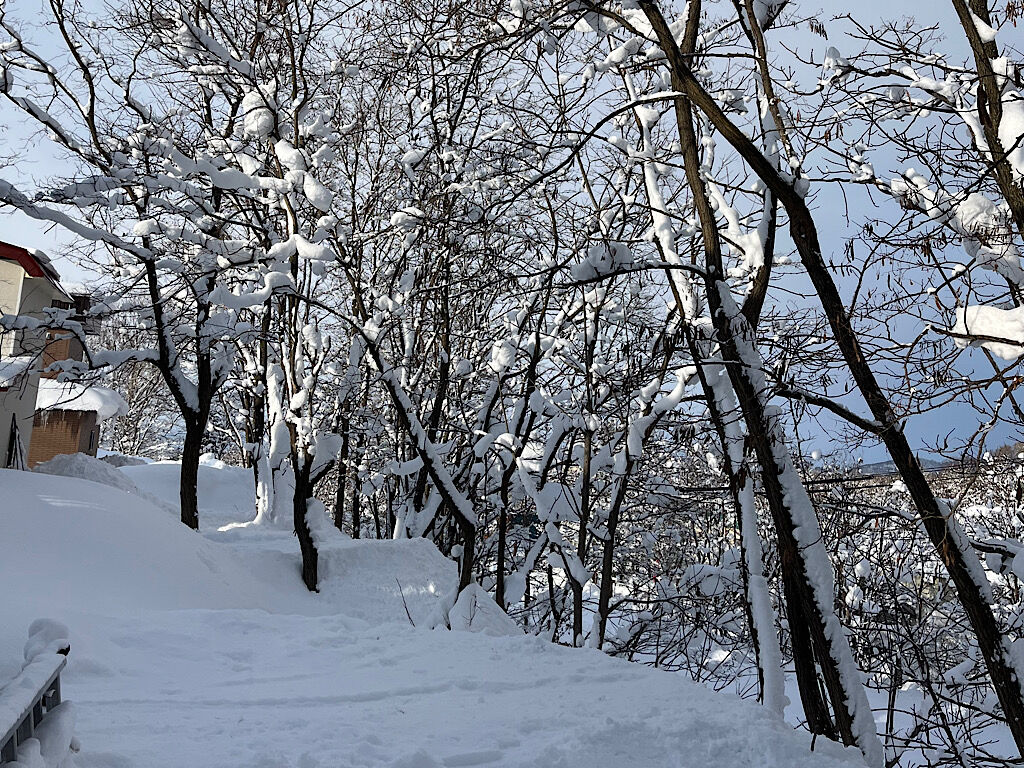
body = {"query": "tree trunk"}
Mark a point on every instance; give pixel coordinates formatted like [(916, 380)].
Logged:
[(581, 538), (943, 531), (188, 486), (604, 597), (356, 511), (264, 484), (800, 547), (339, 491), (757, 601), (300, 507), (499, 592), (466, 562)]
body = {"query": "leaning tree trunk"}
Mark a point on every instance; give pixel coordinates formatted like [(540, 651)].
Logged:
[(800, 547), (807, 573), (757, 601), (943, 531)]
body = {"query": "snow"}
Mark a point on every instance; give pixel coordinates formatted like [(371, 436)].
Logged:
[(225, 492), (1011, 129), (19, 693), (71, 396), (766, 10), (12, 368), (476, 611), (289, 157), (86, 467), (318, 195), (985, 32), (56, 736), (994, 322), (207, 651), (258, 120)]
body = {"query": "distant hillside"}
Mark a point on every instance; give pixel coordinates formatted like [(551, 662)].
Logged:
[(889, 468)]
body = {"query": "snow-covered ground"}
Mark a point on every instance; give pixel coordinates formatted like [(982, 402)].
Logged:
[(192, 650)]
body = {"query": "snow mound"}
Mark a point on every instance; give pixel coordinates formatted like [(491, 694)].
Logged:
[(85, 467), (385, 581), (46, 636), (226, 494), (74, 544), (476, 611)]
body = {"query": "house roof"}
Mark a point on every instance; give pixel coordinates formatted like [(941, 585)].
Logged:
[(33, 261), (12, 368), (71, 396)]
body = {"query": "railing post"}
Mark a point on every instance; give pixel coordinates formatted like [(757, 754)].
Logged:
[(52, 697), (25, 730), (8, 751)]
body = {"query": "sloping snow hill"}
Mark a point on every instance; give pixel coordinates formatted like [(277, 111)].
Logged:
[(225, 492), (195, 652)]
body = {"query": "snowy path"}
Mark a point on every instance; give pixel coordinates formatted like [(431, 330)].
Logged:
[(247, 689), (205, 652)]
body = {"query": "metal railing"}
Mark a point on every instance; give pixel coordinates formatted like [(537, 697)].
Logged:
[(26, 699)]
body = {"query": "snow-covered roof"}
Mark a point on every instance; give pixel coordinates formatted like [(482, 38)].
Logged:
[(70, 396), (11, 368), (33, 261)]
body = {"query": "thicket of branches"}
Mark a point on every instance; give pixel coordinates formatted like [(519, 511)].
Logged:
[(546, 284)]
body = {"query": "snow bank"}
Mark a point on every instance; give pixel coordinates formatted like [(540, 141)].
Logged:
[(71, 396), (476, 611), (226, 494), (70, 545), (120, 460), (374, 581), (379, 581), (85, 467)]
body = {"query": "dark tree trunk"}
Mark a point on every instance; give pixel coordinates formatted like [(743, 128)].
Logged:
[(468, 552), (819, 720), (730, 333), (604, 597), (499, 592), (188, 486), (356, 511), (300, 501)]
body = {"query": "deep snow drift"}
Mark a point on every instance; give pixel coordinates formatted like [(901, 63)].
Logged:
[(192, 650)]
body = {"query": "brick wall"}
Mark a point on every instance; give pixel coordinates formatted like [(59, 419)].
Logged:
[(60, 346), (55, 432)]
